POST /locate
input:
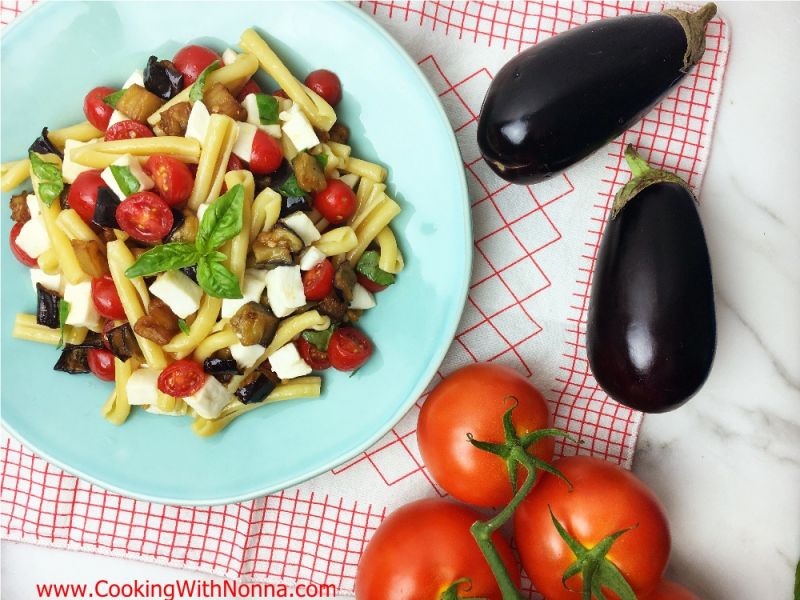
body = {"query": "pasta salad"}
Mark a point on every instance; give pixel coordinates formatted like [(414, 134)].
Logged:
[(203, 244)]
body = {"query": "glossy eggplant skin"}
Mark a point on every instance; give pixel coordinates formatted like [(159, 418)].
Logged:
[(557, 102), (651, 332)]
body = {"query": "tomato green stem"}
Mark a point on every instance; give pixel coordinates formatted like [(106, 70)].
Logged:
[(451, 593)]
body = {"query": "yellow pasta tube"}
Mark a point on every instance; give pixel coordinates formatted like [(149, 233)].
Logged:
[(240, 245), (182, 148), (80, 132), (340, 150), (14, 173), (117, 408), (292, 327), (266, 212), (61, 245), (88, 157), (363, 209), (390, 260), (337, 241), (216, 341), (165, 402), (364, 168), (372, 226), (26, 328), (324, 116), (48, 261), (183, 345), (217, 146), (76, 228)]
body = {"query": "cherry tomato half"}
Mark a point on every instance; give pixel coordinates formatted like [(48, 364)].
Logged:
[(182, 378), (369, 284), (96, 111), (18, 252), (266, 154), (172, 178), (348, 349), (326, 84), (145, 217), (336, 202), (251, 87), (127, 130), (191, 60), (315, 358), (234, 163), (106, 299), (101, 363), (318, 282), (83, 193)]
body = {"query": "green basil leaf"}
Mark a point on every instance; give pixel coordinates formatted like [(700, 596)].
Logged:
[(319, 339), (322, 159), (222, 221), (217, 280), (51, 184), (183, 327), (267, 109), (166, 257), (198, 87), (127, 183), (368, 267), (63, 313), (290, 188), (49, 192), (216, 257), (112, 99)]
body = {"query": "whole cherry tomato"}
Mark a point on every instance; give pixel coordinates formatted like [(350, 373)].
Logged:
[(326, 84), (605, 499), (318, 282), (145, 217), (191, 60), (315, 358), (668, 590), (369, 284), (421, 549), (266, 154), (473, 400), (280, 94), (101, 363), (106, 298), (95, 110), (336, 202), (182, 378), (348, 349), (172, 178), (234, 163), (83, 193), (18, 252), (251, 87), (127, 130)]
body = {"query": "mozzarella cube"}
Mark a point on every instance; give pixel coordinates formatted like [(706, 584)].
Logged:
[(285, 290), (34, 208), (33, 238), (255, 280), (51, 282), (287, 363), (254, 117), (69, 168), (298, 129), (311, 258), (178, 292), (142, 387), (153, 408), (243, 147), (362, 298), (117, 117), (304, 227), (197, 125), (132, 163), (137, 77), (82, 312), (201, 210), (229, 56), (246, 356), (210, 399)]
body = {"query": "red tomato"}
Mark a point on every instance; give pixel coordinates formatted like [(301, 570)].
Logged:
[(280, 94), (369, 284), (251, 87), (668, 590), (83, 193), (234, 164), (336, 202), (605, 499), (317, 359), (145, 217), (318, 282), (172, 178), (473, 400), (422, 548), (127, 130), (266, 154), (101, 363), (18, 252), (182, 378), (348, 349), (106, 299), (96, 111), (326, 84), (191, 60)]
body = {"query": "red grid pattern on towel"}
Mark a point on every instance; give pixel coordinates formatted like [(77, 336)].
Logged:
[(305, 536)]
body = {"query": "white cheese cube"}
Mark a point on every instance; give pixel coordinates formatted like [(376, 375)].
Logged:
[(271, 130), (201, 210), (304, 227), (153, 408), (255, 280), (243, 147), (350, 180), (142, 387), (285, 290), (229, 56), (137, 77), (132, 163), (34, 208), (254, 117), (33, 238), (197, 125), (82, 312), (210, 399), (362, 298), (287, 363), (178, 292), (246, 356), (311, 258), (51, 282), (117, 117), (298, 129), (69, 168)]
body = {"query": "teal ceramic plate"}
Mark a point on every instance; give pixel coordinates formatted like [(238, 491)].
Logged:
[(51, 58)]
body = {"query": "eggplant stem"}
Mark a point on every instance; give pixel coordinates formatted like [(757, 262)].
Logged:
[(702, 16), (636, 163), (694, 26)]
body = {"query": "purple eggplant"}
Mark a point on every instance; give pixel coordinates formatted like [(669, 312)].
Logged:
[(555, 103), (651, 331)]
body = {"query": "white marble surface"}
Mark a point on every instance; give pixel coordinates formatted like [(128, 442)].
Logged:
[(726, 465)]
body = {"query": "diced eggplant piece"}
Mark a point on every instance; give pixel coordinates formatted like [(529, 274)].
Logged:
[(339, 133), (332, 306), (276, 246), (138, 104), (122, 342), (345, 280), (159, 324), (162, 78), (73, 360), (220, 101), (178, 219), (105, 210), (185, 226), (190, 272), (214, 365), (255, 388), (276, 179), (90, 257), (309, 174), (175, 119), (43, 145), (47, 302), (290, 204), (254, 324), (19, 207), (64, 199)]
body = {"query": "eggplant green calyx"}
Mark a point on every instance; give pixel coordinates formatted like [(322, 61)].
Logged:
[(452, 593), (694, 25), (595, 569), (643, 176)]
